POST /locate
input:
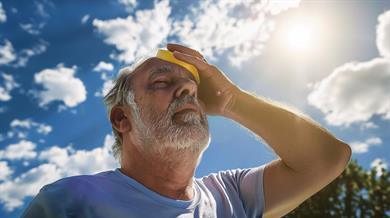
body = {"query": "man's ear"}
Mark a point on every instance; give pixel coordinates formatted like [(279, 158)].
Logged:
[(119, 119)]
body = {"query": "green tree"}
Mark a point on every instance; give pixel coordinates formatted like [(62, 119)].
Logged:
[(355, 193)]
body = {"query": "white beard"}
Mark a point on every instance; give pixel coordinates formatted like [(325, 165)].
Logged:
[(158, 132)]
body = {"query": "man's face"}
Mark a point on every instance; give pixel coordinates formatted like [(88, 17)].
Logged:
[(169, 114)]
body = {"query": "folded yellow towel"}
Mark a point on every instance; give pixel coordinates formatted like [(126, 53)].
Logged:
[(168, 56)]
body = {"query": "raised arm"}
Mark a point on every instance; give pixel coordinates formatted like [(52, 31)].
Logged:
[(310, 157)]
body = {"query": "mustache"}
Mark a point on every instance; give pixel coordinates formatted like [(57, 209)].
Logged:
[(178, 102)]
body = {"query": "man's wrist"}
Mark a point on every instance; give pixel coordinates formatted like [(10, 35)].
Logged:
[(231, 108)]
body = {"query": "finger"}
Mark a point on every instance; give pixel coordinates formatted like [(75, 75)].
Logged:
[(202, 66), (180, 48)]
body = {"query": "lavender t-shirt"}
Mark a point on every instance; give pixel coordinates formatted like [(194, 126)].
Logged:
[(231, 193)]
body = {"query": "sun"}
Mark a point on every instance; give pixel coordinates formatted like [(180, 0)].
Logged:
[(300, 37)]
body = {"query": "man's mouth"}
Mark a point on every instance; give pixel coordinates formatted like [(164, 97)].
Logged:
[(186, 108), (181, 115), (186, 111)]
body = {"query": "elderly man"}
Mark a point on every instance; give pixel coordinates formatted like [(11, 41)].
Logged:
[(158, 115)]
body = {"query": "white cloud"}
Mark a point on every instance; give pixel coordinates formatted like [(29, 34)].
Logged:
[(379, 164), (40, 8), (56, 155), (25, 54), (28, 184), (14, 10), (25, 163), (21, 135), (8, 85), (85, 18), (103, 66), (356, 91), (359, 147), (18, 126), (34, 27), (5, 171), (60, 85), (21, 123), (278, 6), (44, 129), (363, 147), (7, 53), (213, 27), (107, 86), (369, 125), (20, 59), (242, 27), (136, 36), (383, 34), (81, 161), (3, 17), (374, 141), (29, 28), (22, 150), (59, 163), (108, 83), (129, 4)]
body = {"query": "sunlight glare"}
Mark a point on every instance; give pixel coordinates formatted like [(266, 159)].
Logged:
[(300, 37)]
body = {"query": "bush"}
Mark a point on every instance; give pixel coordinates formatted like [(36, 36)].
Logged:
[(355, 193)]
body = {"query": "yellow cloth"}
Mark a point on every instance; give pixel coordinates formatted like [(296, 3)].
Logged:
[(168, 56)]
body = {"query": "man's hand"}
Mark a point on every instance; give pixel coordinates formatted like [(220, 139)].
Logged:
[(215, 92)]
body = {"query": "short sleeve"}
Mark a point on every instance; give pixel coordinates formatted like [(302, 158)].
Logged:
[(240, 191), (251, 190)]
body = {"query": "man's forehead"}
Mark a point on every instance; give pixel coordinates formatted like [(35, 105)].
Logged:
[(149, 66), (152, 63)]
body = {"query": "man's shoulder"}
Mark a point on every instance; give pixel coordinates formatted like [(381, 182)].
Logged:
[(79, 183), (237, 172), (69, 194), (232, 177), (225, 174)]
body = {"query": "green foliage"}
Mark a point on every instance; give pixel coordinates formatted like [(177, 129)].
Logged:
[(355, 193)]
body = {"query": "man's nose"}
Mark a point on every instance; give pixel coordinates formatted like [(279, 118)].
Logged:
[(186, 87)]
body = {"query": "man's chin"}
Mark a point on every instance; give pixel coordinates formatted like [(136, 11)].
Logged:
[(194, 145), (192, 134)]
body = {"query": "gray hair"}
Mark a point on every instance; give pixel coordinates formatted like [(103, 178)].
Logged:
[(121, 94)]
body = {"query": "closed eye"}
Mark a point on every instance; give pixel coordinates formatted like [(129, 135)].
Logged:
[(160, 83)]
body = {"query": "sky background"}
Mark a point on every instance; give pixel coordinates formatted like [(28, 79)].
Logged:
[(327, 59)]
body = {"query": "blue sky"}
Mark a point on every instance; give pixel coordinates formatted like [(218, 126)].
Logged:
[(327, 59)]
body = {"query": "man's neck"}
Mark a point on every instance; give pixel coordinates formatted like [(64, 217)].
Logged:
[(169, 174)]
